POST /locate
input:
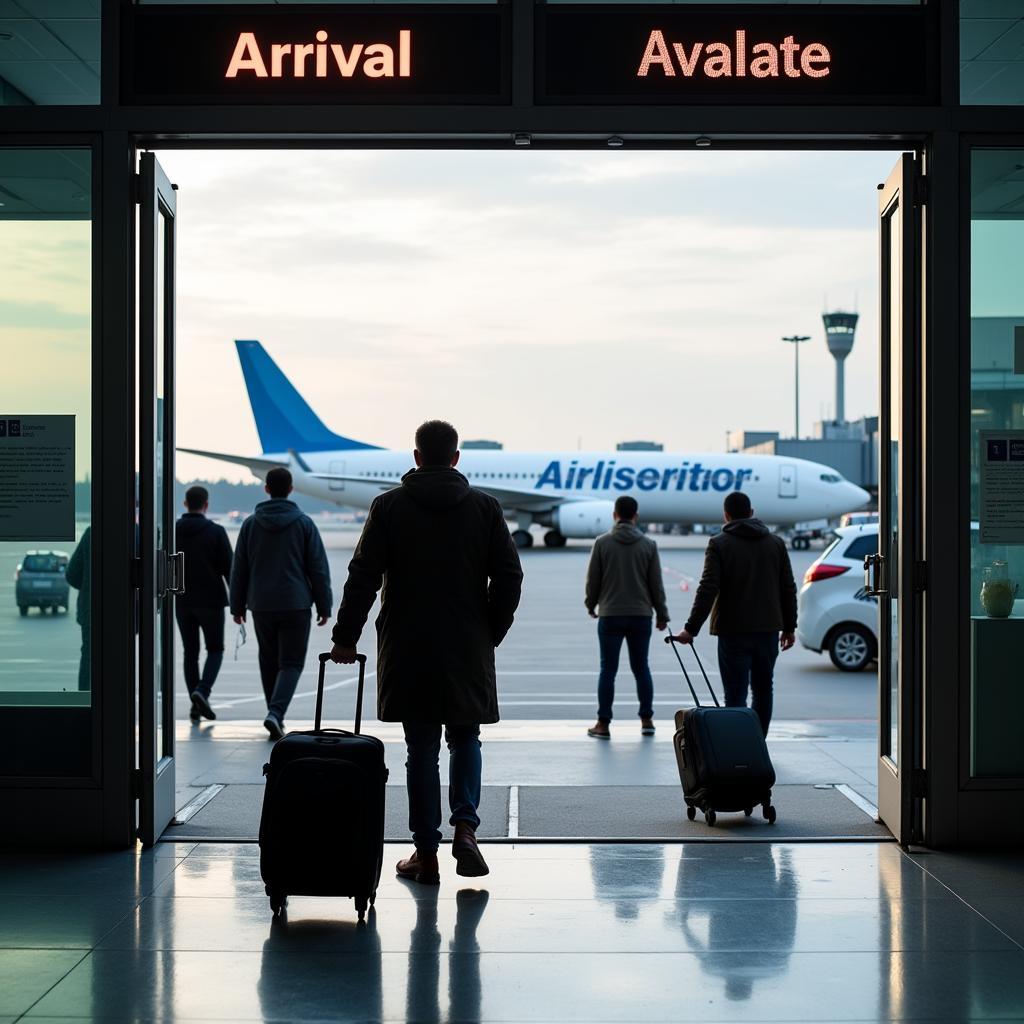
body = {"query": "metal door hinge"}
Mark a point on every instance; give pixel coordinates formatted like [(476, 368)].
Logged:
[(919, 783), (922, 189), (920, 577), (136, 783)]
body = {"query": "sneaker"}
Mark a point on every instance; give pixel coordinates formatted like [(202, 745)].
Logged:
[(469, 861), (420, 867), (274, 726), (202, 705), (646, 726), (193, 715), (600, 731)]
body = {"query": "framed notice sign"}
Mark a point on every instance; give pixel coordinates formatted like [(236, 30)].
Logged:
[(726, 53), (37, 477), (345, 53), (1001, 504)]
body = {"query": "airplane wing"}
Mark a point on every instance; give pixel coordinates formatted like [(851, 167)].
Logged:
[(261, 467), (526, 501)]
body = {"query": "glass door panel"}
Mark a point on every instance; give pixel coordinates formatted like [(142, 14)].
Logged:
[(891, 571), (160, 566)]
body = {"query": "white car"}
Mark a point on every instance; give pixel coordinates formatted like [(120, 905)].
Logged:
[(836, 614)]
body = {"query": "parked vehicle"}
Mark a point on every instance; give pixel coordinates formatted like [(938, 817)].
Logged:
[(836, 613), (858, 518), (39, 582)]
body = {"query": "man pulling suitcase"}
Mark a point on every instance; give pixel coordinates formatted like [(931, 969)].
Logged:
[(452, 579)]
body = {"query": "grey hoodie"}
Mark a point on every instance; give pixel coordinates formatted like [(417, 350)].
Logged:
[(280, 563), (624, 575)]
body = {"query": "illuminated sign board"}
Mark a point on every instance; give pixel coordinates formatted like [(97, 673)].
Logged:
[(781, 53), (346, 53)]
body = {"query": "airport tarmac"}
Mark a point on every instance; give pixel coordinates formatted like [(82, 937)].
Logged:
[(547, 666)]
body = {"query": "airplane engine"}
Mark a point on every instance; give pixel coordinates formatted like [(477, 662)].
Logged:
[(583, 518)]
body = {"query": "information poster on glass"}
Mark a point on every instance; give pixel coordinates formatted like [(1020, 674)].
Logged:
[(1001, 458), (37, 477)]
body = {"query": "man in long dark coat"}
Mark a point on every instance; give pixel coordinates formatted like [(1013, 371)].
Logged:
[(451, 579)]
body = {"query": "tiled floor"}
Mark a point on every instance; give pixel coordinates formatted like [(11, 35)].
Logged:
[(807, 932)]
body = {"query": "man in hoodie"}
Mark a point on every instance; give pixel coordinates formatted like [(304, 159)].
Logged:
[(280, 569), (207, 553), (747, 589), (624, 586), (452, 579)]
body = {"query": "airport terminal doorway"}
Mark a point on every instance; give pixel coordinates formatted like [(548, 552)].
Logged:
[(827, 720)]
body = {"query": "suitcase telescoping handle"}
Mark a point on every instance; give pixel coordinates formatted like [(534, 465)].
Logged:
[(324, 658), (672, 641)]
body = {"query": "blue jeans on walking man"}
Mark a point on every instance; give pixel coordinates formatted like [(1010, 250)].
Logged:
[(747, 661), (636, 631), (423, 779)]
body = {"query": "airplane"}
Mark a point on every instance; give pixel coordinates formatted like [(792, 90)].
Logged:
[(570, 493)]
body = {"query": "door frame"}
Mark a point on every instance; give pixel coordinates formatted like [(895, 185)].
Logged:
[(157, 584)]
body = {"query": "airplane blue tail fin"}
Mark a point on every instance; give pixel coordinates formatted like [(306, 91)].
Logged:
[(284, 419)]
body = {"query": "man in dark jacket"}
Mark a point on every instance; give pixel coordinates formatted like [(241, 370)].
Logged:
[(79, 575), (207, 553), (624, 586), (451, 578), (280, 569), (747, 588)]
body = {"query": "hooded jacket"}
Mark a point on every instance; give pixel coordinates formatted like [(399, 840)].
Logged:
[(624, 575), (747, 585), (280, 564), (451, 581), (207, 553)]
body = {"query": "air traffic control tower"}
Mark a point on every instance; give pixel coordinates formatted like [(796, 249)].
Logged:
[(839, 333)]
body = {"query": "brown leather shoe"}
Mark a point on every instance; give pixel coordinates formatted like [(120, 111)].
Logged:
[(600, 731), (420, 867), (647, 727), (469, 861)]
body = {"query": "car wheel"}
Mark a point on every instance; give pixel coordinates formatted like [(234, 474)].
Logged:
[(23, 608), (851, 648)]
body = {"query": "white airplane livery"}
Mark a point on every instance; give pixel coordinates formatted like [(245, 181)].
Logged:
[(570, 493)]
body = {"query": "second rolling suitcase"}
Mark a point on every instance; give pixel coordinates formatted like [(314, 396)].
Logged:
[(322, 828), (722, 756)]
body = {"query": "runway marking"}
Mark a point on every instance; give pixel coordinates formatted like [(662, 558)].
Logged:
[(513, 812), (305, 693)]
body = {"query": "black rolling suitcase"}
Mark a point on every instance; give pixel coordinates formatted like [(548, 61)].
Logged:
[(322, 828), (722, 756)]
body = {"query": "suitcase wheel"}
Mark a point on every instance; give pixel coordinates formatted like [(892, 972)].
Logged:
[(748, 811), (278, 901), (769, 813), (710, 817), (691, 811), (361, 908), (373, 897)]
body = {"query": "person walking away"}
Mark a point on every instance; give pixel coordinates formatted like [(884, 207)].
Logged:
[(200, 609), (452, 580), (79, 575), (624, 586), (280, 569), (747, 589)]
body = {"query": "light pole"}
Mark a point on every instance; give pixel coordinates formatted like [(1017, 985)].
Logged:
[(796, 340)]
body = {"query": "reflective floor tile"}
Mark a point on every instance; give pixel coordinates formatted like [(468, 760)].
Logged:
[(61, 921), (288, 986), (632, 924), (1005, 913), (977, 874), (26, 974), (117, 874)]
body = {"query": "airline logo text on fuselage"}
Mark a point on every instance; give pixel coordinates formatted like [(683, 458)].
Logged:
[(721, 60), (322, 59), (607, 476)]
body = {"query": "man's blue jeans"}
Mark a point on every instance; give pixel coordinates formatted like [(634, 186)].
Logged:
[(747, 661), (636, 631), (423, 779)]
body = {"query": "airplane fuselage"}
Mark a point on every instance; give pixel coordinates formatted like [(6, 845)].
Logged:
[(669, 487)]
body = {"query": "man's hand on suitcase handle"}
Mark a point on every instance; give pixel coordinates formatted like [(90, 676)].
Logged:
[(342, 655), (682, 637)]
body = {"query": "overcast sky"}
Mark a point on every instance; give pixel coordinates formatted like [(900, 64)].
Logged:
[(547, 300)]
